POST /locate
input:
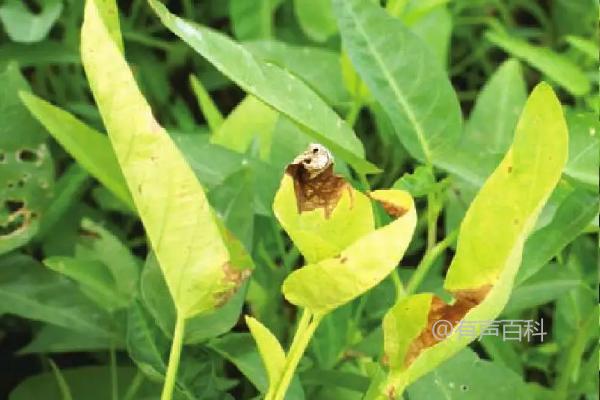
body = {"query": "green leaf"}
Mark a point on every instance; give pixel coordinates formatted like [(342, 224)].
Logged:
[(489, 249), (68, 190), (584, 147), (239, 348), (98, 244), (170, 200), (231, 200), (332, 224), (55, 339), (316, 19), (271, 352), (207, 106), (572, 217), (31, 291), (272, 85), (90, 382), (252, 19), (94, 279), (586, 46), (556, 66), (250, 120), (404, 76), (319, 68), (490, 128), (156, 298), (467, 377), (146, 345), (435, 29), (542, 288), (23, 26), (26, 166), (419, 183), (90, 148), (492, 122)]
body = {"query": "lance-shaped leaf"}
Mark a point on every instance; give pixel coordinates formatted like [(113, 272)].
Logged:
[(489, 249), (271, 352), (272, 85), (332, 225), (403, 75), (556, 66), (89, 147), (179, 223)]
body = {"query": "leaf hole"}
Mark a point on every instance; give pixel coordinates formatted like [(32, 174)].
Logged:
[(12, 206), (27, 155), (33, 6)]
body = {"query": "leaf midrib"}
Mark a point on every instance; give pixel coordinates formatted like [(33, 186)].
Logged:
[(397, 92)]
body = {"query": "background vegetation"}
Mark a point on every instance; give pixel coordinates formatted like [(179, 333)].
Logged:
[(112, 340)]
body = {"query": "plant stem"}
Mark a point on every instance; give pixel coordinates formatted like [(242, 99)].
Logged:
[(134, 386), (561, 386), (400, 290), (306, 328), (174, 357), (114, 379), (432, 216), (427, 261)]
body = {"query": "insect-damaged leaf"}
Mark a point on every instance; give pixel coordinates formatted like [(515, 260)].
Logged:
[(26, 167), (272, 85), (332, 225), (180, 225), (489, 248)]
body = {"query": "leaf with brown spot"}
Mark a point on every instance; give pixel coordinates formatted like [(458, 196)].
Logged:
[(181, 227), (26, 166), (489, 249), (336, 234)]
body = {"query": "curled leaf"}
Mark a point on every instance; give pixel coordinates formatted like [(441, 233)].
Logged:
[(332, 225), (489, 250)]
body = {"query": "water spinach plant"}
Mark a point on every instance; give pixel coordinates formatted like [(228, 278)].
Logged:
[(277, 241)]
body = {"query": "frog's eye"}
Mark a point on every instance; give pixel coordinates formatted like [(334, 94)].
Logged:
[(315, 150)]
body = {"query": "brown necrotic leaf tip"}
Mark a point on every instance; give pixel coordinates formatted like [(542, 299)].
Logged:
[(315, 184)]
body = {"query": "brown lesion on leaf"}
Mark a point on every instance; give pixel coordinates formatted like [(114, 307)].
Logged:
[(392, 209), (233, 278), (87, 233), (391, 393), (465, 300), (17, 218), (315, 183)]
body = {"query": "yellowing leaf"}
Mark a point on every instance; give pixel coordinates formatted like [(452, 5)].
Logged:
[(489, 249), (270, 350), (332, 225), (250, 120), (179, 223), (317, 235)]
